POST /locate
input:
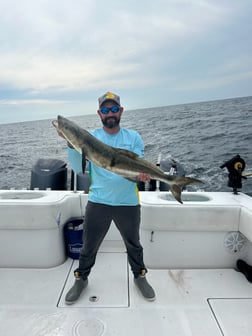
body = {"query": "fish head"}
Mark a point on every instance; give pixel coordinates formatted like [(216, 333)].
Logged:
[(70, 131), (60, 123)]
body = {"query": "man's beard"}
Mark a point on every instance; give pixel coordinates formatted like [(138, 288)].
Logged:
[(111, 122)]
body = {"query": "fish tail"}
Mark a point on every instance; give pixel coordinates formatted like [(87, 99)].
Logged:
[(179, 183), (176, 192)]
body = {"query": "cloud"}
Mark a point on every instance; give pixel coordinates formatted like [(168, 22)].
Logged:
[(20, 102), (61, 47), (39, 73)]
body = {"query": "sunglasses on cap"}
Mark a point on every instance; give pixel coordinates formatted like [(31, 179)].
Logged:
[(114, 109)]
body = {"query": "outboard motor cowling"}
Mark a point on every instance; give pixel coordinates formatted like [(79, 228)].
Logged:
[(49, 173), (170, 167)]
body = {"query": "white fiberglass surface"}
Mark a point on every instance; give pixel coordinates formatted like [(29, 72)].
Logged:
[(108, 283), (20, 287), (21, 195), (234, 316), (197, 302)]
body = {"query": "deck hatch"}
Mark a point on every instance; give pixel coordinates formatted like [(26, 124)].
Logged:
[(233, 316), (109, 275)]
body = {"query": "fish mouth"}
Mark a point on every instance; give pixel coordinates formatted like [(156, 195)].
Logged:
[(55, 123)]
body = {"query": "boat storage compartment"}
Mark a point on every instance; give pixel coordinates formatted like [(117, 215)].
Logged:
[(31, 227)]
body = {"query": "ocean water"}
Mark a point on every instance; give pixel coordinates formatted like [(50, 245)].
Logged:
[(200, 136)]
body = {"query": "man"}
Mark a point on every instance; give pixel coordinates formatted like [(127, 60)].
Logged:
[(111, 197)]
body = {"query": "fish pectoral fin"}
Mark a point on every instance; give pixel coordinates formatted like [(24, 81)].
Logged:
[(176, 192), (126, 152), (83, 163)]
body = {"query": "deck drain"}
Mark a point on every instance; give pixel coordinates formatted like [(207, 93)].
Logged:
[(93, 298)]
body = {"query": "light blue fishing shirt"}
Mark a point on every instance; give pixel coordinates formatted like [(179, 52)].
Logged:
[(107, 187)]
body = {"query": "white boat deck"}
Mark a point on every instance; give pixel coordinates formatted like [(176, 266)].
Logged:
[(190, 250), (197, 302)]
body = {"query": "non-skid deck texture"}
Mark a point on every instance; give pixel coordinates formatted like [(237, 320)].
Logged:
[(189, 302), (108, 283)]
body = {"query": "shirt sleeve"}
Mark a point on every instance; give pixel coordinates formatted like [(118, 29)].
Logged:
[(75, 160)]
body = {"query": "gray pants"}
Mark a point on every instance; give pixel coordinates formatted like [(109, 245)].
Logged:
[(98, 218)]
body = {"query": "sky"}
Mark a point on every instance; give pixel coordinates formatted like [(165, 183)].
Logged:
[(59, 56)]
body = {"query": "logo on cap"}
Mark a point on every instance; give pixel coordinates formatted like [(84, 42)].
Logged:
[(109, 96)]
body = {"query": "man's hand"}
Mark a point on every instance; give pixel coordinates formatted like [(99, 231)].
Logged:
[(143, 177)]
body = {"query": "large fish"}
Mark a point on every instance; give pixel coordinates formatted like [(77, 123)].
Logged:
[(116, 160)]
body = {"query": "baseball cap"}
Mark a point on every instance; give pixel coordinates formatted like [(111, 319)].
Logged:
[(109, 96)]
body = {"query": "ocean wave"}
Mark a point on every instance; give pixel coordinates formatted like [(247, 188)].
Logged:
[(200, 136)]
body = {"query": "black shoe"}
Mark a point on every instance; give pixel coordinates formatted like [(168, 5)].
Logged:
[(145, 288), (75, 292), (246, 269)]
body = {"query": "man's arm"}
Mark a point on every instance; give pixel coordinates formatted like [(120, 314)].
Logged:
[(75, 160)]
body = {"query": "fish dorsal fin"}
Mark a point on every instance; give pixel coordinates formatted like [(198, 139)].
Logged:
[(126, 152)]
